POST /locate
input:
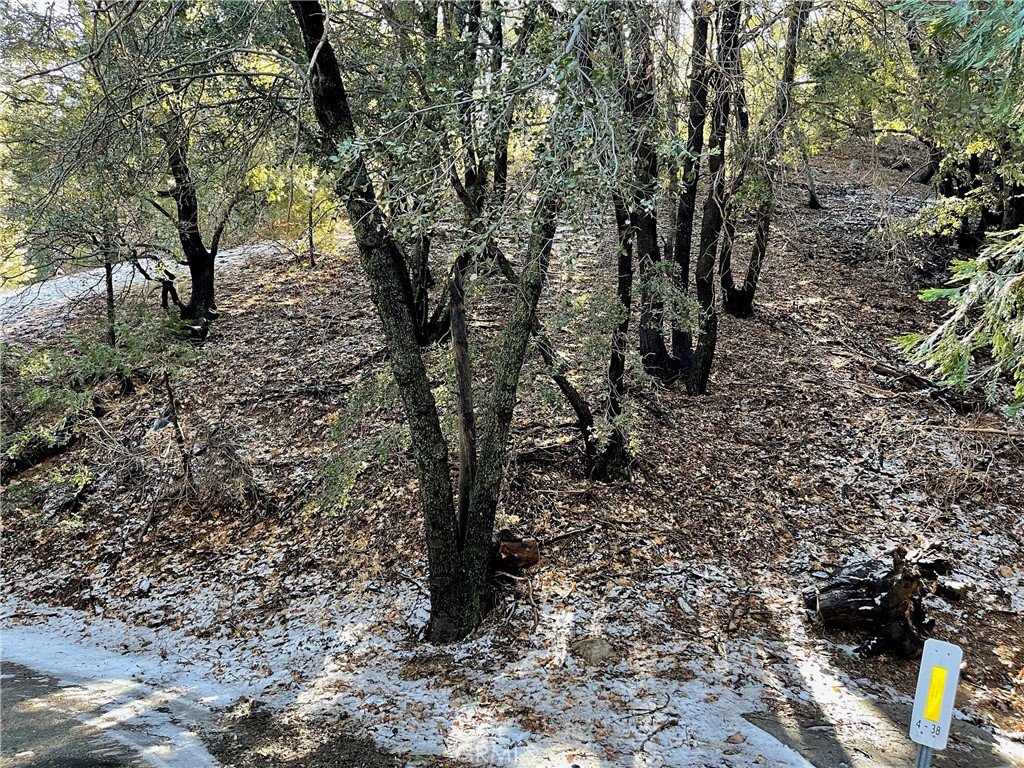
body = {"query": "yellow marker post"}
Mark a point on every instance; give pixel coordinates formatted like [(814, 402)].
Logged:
[(935, 697)]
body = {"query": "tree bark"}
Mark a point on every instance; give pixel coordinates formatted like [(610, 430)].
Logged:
[(741, 302), (697, 97), (742, 149), (455, 603), (108, 280), (202, 306), (613, 459), (639, 103), (458, 544), (463, 389), (711, 225), (497, 418)]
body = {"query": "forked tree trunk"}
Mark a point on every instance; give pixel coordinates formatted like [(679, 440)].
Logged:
[(740, 301), (714, 204), (452, 601), (458, 544), (497, 418), (697, 98)]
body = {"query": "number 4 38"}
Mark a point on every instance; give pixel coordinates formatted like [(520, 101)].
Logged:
[(934, 729)]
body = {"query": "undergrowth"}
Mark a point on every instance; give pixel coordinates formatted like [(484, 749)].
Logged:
[(47, 389)]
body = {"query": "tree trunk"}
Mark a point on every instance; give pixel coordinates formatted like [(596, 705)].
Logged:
[(668, 72), (1013, 206), (202, 306), (454, 600), (502, 134), (927, 173), (108, 279), (742, 149), (457, 549), (812, 190), (741, 302), (501, 406), (640, 101), (613, 459), (463, 388), (697, 97), (711, 225), (504, 120), (557, 367)]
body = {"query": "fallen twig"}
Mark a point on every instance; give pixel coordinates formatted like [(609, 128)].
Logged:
[(567, 534), (980, 430), (529, 595)]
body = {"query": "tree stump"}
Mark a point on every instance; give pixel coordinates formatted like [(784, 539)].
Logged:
[(511, 554), (885, 600)]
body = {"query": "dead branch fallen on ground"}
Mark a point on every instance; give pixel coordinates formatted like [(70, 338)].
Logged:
[(569, 534), (934, 389), (1016, 435), (529, 594)]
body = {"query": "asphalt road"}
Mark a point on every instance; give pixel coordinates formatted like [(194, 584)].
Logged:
[(39, 727)]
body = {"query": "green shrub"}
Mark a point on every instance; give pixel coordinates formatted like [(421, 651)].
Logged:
[(47, 389)]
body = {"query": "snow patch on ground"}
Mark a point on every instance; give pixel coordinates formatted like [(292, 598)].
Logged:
[(673, 694), (137, 700), (655, 703), (40, 302)]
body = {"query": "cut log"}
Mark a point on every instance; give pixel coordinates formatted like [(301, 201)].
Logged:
[(883, 600), (511, 554)]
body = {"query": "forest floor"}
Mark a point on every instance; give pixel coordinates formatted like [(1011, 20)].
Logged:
[(303, 627)]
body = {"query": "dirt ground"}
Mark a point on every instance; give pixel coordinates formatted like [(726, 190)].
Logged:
[(813, 449)]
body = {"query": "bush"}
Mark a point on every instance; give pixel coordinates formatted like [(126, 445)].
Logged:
[(47, 390), (982, 338)]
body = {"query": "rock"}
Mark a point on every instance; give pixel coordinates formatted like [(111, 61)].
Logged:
[(593, 650), (737, 738), (162, 420)]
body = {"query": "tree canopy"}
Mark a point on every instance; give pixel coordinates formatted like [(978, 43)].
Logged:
[(473, 147)]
